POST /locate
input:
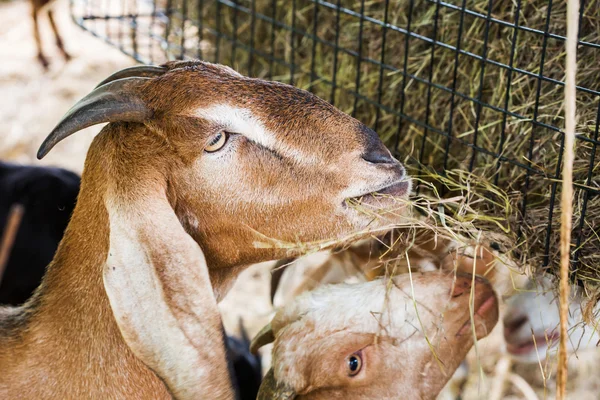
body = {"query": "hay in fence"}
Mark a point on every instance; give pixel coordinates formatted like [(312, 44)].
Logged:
[(452, 116), (524, 205)]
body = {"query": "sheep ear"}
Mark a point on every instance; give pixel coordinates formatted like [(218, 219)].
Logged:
[(159, 290), (270, 389), (119, 100), (262, 338)]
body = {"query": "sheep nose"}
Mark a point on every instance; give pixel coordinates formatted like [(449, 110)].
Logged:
[(511, 326)]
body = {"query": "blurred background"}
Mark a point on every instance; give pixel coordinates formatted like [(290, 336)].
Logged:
[(465, 93)]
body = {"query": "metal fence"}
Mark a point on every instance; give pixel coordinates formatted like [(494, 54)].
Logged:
[(449, 85)]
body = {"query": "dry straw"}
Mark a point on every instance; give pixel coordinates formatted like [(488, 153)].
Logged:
[(494, 191), (567, 192)]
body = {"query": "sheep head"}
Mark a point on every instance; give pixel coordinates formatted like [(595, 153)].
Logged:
[(374, 339)]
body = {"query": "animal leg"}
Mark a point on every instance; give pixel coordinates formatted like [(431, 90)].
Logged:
[(36, 33), (59, 41)]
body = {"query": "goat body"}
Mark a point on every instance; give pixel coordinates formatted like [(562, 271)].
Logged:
[(127, 308), (48, 196)]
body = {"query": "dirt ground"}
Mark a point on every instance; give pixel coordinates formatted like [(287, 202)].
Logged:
[(31, 103)]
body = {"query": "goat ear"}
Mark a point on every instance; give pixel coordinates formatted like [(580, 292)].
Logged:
[(159, 289), (262, 338), (270, 389), (119, 100)]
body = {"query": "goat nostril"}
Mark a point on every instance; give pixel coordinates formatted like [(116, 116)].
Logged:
[(512, 326), (378, 157), (460, 287)]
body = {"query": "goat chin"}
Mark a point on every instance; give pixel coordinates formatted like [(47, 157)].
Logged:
[(196, 168)]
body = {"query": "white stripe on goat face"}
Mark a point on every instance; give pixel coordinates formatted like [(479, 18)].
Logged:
[(243, 121)]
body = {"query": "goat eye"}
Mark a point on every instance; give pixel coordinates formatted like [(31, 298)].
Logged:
[(354, 364), (217, 142)]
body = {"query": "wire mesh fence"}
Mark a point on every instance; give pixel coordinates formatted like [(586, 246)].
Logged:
[(461, 85)]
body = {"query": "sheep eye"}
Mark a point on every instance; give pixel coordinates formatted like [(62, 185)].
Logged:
[(354, 363), (217, 142)]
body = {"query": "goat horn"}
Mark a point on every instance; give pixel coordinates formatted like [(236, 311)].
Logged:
[(277, 273), (264, 337), (270, 389), (139, 71), (115, 101)]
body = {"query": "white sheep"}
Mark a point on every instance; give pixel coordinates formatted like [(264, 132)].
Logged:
[(398, 338), (200, 171), (531, 322)]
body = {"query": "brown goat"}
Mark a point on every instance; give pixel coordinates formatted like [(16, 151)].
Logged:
[(36, 8), (196, 166)]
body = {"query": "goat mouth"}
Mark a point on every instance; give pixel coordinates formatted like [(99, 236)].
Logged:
[(539, 341), (394, 191), (485, 316)]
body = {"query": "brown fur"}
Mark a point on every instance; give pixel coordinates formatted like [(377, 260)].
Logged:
[(66, 343)]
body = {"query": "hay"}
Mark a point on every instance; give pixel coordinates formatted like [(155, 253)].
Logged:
[(440, 130), (500, 192)]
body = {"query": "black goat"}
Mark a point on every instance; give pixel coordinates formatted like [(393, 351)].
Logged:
[(246, 366), (48, 196)]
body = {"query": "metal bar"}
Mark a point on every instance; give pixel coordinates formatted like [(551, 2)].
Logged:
[(271, 64), (454, 79), (382, 61), (313, 53), (508, 85), (404, 73), (428, 101), (252, 33), (486, 34), (293, 44), (336, 48), (200, 9), (359, 56), (525, 187)]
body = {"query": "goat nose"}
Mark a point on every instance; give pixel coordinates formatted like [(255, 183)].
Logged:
[(462, 285), (374, 151), (378, 156)]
